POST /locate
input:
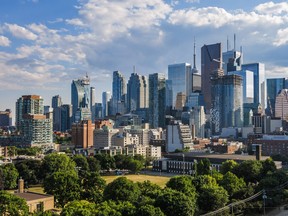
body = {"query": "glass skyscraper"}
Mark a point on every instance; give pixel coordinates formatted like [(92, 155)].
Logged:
[(80, 97), (211, 62), (274, 86), (178, 75), (258, 70), (248, 84), (157, 100), (118, 91)]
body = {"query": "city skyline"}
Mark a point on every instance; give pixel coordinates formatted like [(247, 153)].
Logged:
[(45, 45)]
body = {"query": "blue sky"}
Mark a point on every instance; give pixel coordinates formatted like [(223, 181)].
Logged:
[(44, 44)]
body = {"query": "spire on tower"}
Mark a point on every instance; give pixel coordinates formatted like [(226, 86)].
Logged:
[(194, 70)]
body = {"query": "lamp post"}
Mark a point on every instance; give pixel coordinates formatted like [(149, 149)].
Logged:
[(264, 200)]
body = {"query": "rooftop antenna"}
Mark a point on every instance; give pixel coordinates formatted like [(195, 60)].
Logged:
[(194, 55), (194, 58), (234, 42), (241, 51), (134, 69)]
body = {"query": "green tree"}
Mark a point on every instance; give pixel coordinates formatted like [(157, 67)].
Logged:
[(212, 198), (122, 189), (9, 175), (79, 208), (94, 164), (29, 170), (203, 167), (268, 166), (228, 166), (232, 184), (107, 162), (57, 162), (10, 204), (173, 203), (149, 189), (149, 210), (203, 180), (81, 162), (183, 184), (92, 187), (63, 185), (250, 170), (135, 166), (107, 208)]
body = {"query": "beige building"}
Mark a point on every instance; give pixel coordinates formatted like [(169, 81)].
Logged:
[(104, 137), (143, 134), (36, 202), (126, 139)]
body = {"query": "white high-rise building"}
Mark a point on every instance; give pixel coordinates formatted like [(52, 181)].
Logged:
[(106, 96), (197, 120), (281, 105)]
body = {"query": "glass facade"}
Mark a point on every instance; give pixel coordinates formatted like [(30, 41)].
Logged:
[(274, 86), (258, 70), (178, 75), (157, 100)]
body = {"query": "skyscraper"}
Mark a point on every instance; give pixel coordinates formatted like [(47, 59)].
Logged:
[(28, 104), (227, 102), (211, 61), (194, 79), (157, 100), (56, 105), (281, 105), (197, 121), (137, 92), (66, 117), (56, 101), (106, 96), (80, 98), (180, 77), (248, 84), (118, 91), (274, 86), (92, 103), (258, 70)]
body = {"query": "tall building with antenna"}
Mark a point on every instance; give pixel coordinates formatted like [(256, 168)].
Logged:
[(194, 80), (232, 59)]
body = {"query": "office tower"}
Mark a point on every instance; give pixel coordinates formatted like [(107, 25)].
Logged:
[(281, 105), (118, 91), (137, 92), (258, 70), (274, 86), (180, 77), (211, 61), (80, 98), (92, 103), (56, 105), (36, 129), (227, 102), (194, 100), (5, 118), (98, 111), (169, 94), (66, 117), (82, 134), (28, 104), (157, 100), (248, 84), (197, 121), (56, 101), (180, 101), (104, 137), (106, 96)]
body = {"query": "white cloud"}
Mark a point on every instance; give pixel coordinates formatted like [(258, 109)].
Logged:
[(272, 8), (4, 41), (20, 32), (110, 19), (274, 71), (281, 37)]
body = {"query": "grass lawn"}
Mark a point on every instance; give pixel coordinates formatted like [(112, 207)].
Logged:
[(159, 180)]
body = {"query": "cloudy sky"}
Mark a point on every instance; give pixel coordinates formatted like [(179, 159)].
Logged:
[(44, 44)]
